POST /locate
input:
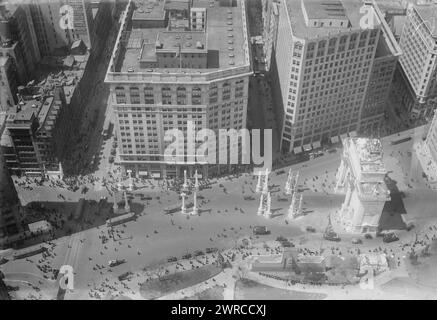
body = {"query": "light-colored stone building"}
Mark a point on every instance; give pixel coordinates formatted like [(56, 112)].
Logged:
[(416, 79), (361, 177), (332, 65), (162, 78)]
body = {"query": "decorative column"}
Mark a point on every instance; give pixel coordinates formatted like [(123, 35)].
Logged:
[(268, 212), (196, 182), (126, 203), (185, 185), (195, 210), (291, 209), (261, 204), (183, 208), (288, 183), (130, 181), (258, 184)]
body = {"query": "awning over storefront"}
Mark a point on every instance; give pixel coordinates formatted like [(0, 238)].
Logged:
[(334, 139), (317, 145), (307, 147), (143, 173), (156, 175), (297, 150), (352, 134)]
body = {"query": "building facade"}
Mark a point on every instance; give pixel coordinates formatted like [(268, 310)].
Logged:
[(27, 142), (19, 52), (270, 15), (8, 83), (361, 177), (326, 55), (417, 74), (163, 79), (431, 138), (59, 23)]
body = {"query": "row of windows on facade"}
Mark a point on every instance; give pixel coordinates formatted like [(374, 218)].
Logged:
[(342, 40), (181, 94), (332, 111), (331, 130), (148, 112)]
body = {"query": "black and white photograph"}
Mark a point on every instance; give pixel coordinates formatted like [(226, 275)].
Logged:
[(230, 151)]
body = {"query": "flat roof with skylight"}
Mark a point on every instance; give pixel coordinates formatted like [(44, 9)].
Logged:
[(223, 43)]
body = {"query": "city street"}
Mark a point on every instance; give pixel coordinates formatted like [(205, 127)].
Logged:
[(225, 217)]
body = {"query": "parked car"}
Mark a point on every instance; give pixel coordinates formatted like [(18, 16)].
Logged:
[(357, 241), (310, 229), (368, 236), (390, 237), (281, 238), (117, 262), (211, 250), (260, 230), (124, 276), (287, 244), (198, 253), (172, 259), (187, 256)]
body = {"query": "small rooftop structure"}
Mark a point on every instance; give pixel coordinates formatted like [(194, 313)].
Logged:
[(178, 5), (318, 18), (325, 13)]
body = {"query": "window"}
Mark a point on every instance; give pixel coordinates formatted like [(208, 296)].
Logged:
[(166, 95), (226, 91), (148, 95), (196, 95), (213, 93), (134, 95), (239, 88), (181, 95), (120, 95)]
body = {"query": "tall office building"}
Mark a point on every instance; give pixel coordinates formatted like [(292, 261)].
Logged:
[(163, 75), (83, 21), (28, 142), (8, 84), (332, 57), (19, 52), (19, 39), (55, 36), (417, 78)]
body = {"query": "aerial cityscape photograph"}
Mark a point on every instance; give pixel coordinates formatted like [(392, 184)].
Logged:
[(218, 150)]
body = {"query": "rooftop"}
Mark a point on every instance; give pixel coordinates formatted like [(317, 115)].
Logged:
[(323, 9), (148, 10), (45, 109), (223, 42)]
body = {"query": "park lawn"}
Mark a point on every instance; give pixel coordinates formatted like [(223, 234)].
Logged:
[(167, 284)]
